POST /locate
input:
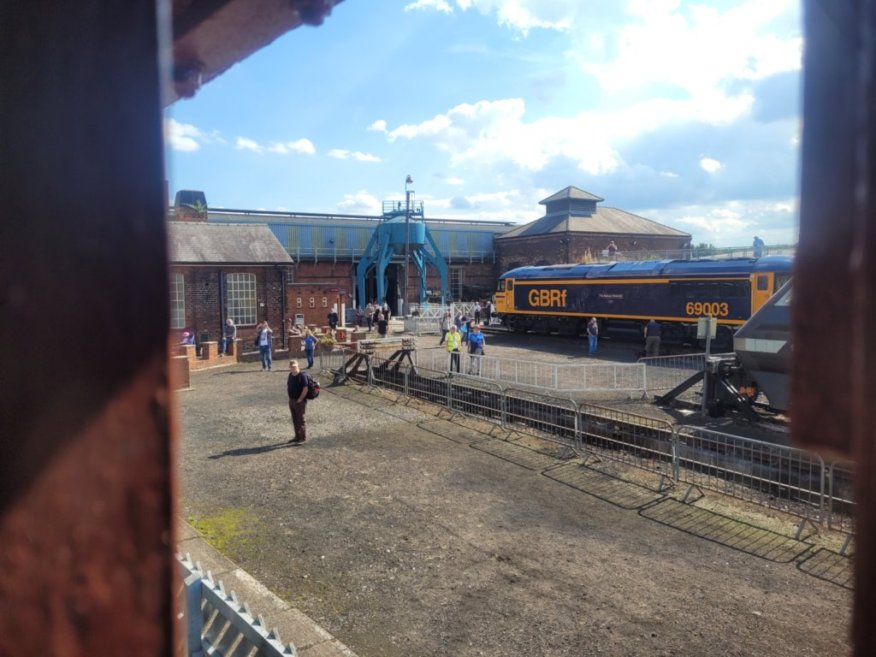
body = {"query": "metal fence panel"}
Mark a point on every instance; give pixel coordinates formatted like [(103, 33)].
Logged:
[(840, 496), (635, 440), (540, 415), (771, 475), (663, 373), (472, 397), (430, 385), (389, 374)]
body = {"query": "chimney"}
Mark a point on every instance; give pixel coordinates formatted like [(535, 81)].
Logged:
[(190, 205)]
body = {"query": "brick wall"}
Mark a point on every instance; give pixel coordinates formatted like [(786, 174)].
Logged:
[(203, 310), (327, 279)]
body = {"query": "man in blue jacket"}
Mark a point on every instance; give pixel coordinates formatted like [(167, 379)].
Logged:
[(476, 349)]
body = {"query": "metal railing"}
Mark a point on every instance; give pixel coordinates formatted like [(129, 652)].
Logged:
[(663, 373), (775, 476), (718, 253), (218, 624), (614, 377), (771, 475)]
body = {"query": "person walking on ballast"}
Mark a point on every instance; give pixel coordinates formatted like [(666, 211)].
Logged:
[(652, 338), (592, 336), (296, 388), (454, 341)]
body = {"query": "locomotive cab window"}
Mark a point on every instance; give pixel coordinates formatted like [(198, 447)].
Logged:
[(509, 286), (501, 287), (763, 283)]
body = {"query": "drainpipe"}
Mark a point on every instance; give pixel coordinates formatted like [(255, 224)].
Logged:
[(221, 305), (283, 303)]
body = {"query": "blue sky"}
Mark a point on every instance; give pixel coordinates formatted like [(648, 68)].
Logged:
[(687, 113)]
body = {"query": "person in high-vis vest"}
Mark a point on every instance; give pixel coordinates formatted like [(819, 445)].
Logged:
[(454, 342)]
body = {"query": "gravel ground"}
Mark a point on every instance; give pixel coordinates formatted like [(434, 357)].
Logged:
[(406, 534)]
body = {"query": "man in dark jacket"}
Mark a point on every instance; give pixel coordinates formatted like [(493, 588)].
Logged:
[(296, 388)]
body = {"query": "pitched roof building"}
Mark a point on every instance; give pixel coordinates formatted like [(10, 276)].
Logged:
[(575, 228), (226, 270)]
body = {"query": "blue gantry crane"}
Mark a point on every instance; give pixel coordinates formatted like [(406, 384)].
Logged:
[(402, 237)]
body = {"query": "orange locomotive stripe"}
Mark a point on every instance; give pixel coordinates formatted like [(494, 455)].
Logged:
[(662, 318), (622, 281)]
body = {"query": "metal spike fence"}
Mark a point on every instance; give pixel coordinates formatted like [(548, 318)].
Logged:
[(217, 623), (774, 476)]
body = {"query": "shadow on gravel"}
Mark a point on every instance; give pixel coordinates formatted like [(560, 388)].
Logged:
[(247, 451)]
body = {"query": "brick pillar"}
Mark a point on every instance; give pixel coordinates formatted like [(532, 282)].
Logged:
[(179, 373), (189, 351), (209, 350)]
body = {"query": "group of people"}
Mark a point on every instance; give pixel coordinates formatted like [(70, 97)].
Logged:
[(376, 315), (651, 334), (455, 339), (229, 335)]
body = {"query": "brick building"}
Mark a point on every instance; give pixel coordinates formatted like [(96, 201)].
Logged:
[(225, 270), (574, 229), (312, 259), (326, 248)]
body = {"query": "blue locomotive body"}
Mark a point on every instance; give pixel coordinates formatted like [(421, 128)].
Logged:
[(625, 295)]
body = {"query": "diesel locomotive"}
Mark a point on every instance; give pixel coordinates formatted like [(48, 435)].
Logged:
[(623, 296)]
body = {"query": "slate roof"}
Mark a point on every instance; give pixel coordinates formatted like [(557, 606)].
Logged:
[(573, 193), (603, 221), (199, 242)]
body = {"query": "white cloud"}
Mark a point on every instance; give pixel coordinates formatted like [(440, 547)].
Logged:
[(669, 174), (733, 223), (303, 146), (343, 154), (695, 48), (453, 180), (437, 5), (519, 15), (496, 132), (245, 144), (710, 165), (182, 136), (378, 126), (360, 203)]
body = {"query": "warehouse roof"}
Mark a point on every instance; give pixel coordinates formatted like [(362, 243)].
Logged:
[(603, 221), (201, 243)]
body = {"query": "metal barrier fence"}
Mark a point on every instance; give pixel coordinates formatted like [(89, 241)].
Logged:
[(423, 325), (635, 440), (544, 416), (663, 373), (615, 377), (218, 624), (775, 476), (839, 498)]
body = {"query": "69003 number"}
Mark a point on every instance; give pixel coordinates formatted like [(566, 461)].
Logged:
[(697, 308)]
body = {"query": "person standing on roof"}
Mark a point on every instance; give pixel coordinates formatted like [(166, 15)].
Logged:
[(757, 247), (612, 250)]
